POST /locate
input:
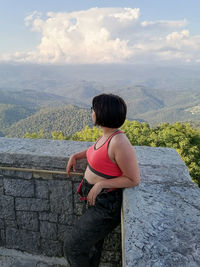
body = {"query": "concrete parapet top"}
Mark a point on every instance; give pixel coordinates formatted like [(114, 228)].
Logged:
[(39, 153), (155, 163), (56, 148), (41, 147)]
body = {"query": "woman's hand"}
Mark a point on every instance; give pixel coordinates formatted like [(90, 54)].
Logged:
[(71, 164), (72, 161), (96, 189)]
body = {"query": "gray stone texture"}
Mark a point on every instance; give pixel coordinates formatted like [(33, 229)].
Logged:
[(23, 240), (7, 207), (47, 216), (32, 204), (2, 238), (66, 219), (10, 223), (42, 189), (1, 224), (161, 216), (27, 220), (1, 185), (19, 188), (16, 258), (17, 174), (61, 200), (48, 230), (51, 247), (48, 154)]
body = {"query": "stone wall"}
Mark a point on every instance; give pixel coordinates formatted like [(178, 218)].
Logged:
[(37, 209), (161, 216), (160, 219)]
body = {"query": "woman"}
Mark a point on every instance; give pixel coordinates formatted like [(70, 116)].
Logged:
[(112, 165)]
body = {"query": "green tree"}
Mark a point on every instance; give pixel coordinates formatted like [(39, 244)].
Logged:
[(87, 134), (184, 139), (136, 132), (58, 135), (34, 135)]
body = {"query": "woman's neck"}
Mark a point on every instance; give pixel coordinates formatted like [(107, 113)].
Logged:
[(108, 131)]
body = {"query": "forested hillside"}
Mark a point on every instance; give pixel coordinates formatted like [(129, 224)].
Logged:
[(33, 98), (17, 109), (67, 119), (10, 114), (153, 94), (155, 106), (148, 105)]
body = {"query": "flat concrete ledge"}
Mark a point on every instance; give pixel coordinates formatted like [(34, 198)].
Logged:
[(161, 216), (41, 147), (14, 258), (47, 153)]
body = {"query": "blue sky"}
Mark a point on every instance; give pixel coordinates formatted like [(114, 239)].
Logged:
[(170, 28)]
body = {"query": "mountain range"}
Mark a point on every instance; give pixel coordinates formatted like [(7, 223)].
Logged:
[(34, 97)]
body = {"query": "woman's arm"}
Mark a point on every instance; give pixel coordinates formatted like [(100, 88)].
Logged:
[(125, 157), (72, 161)]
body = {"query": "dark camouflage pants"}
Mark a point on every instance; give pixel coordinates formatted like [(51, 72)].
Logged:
[(83, 245)]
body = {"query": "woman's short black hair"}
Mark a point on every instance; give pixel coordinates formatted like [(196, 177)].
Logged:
[(110, 110)]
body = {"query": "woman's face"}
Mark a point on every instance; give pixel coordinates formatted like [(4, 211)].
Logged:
[(93, 116)]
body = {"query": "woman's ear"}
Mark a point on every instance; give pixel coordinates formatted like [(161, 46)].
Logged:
[(93, 116)]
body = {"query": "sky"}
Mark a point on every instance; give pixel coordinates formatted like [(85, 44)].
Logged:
[(103, 31)]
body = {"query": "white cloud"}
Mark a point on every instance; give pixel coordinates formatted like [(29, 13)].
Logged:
[(177, 36), (126, 14), (36, 17), (107, 35), (165, 24)]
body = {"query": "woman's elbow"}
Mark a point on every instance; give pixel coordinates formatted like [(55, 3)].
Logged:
[(136, 181)]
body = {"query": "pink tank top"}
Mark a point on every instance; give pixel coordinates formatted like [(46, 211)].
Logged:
[(99, 161)]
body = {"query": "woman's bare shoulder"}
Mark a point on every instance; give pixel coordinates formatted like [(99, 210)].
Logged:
[(121, 140)]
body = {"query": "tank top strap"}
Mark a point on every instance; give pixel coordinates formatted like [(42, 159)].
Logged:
[(115, 133), (107, 141)]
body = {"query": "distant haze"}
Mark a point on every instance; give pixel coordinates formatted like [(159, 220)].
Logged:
[(55, 77)]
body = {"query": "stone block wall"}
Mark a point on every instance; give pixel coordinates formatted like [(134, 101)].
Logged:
[(161, 216), (37, 209)]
